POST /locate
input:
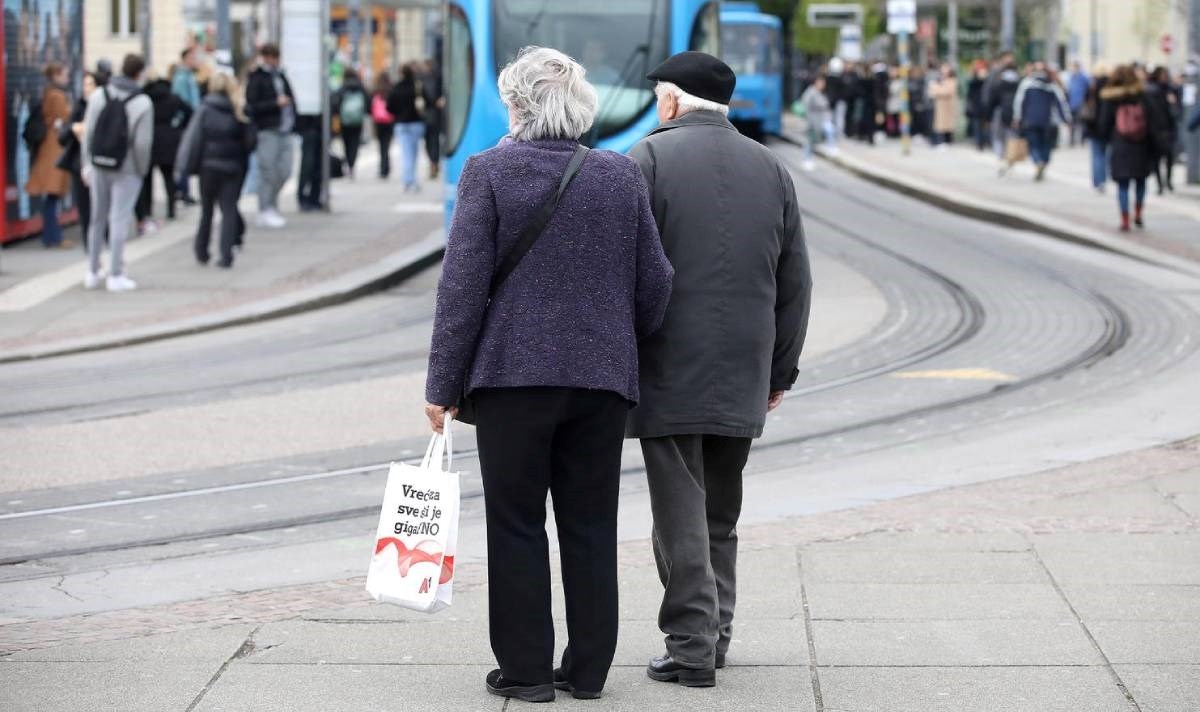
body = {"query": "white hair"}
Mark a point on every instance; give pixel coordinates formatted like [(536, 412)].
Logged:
[(687, 102), (547, 95)]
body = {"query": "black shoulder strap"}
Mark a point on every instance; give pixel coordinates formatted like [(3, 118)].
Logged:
[(537, 226)]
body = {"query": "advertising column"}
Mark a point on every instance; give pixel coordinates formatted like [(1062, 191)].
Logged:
[(36, 33), (303, 29)]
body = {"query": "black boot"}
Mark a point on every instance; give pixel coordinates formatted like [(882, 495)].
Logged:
[(561, 683), (665, 669), (497, 684)]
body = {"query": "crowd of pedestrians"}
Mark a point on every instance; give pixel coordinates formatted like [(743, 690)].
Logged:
[(201, 126), (1131, 117)]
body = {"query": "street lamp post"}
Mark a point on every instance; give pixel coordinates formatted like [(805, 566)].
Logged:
[(1007, 26), (952, 31)]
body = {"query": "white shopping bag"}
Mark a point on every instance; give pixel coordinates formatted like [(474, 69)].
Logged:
[(413, 563)]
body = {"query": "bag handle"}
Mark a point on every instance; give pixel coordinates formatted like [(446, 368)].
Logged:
[(537, 226), (441, 445)]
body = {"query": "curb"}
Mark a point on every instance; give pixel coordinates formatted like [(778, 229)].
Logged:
[(996, 213), (381, 274)]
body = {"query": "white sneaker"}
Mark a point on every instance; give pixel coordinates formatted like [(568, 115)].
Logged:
[(808, 165), (275, 220), (92, 280), (120, 283)]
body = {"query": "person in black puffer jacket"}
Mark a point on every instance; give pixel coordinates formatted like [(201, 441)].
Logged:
[(171, 115), (410, 126), (217, 145)]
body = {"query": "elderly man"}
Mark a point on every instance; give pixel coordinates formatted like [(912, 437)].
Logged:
[(727, 350)]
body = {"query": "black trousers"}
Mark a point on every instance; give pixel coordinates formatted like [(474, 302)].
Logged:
[(145, 204), (433, 135), (351, 140), (383, 134), (81, 195), (309, 189), (565, 441), (695, 484), (218, 188)]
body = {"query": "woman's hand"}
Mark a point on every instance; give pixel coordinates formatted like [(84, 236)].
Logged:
[(437, 415), (774, 400)]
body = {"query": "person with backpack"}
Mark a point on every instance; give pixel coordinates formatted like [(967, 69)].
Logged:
[(350, 106), (385, 123), (1128, 121), (217, 147), (117, 140), (47, 178), (1037, 100), (410, 127)]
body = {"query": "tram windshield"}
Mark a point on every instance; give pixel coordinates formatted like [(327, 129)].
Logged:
[(751, 49), (617, 41)]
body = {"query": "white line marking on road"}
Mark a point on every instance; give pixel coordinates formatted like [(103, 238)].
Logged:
[(193, 493)]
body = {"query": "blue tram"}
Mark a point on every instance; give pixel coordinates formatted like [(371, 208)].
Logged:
[(618, 41), (752, 44)]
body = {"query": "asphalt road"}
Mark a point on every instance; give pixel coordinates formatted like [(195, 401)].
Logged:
[(1000, 353)]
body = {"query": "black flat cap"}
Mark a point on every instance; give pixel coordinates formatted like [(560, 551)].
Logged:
[(699, 74)]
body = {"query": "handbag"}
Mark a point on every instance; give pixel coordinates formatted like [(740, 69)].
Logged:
[(529, 236), (412, 564)]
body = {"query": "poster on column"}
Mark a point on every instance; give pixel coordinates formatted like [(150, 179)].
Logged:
[(36, 33), (303, 50)]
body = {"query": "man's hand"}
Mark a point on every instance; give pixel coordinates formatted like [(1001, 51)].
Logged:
[(774, 401), (437, 416), (283, 100)]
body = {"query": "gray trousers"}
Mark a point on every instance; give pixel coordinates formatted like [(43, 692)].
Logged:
[(695, 484), (114, 195), (275, 158)]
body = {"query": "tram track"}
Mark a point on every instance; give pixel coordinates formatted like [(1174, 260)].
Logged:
[(972, 316)]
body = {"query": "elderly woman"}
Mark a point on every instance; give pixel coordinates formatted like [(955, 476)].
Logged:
[(548, 358)]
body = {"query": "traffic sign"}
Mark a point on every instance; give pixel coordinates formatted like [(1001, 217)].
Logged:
[(902, 16)]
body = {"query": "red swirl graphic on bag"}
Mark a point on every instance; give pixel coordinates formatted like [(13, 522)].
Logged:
[(425, 552)]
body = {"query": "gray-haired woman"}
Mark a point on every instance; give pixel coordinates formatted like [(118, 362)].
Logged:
[(550, 363)]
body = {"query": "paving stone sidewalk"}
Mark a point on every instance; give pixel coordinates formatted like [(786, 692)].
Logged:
[(1064, 204), (373, 232), (1074, 590)]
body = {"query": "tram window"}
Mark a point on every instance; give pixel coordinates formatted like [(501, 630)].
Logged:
[(617, 41), (460, 75), (705, 32), (751, 49)]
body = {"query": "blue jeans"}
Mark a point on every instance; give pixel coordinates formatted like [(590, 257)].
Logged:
[(1123, 193), (1039, 144), (52, 235), (409, 135), (1099, 162)]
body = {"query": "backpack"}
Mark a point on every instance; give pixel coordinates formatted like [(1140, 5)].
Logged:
[(379, 112), (110, 136), (353, 109), (35, 127), (1131, 121)]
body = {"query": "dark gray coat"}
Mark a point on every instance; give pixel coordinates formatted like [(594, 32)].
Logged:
[(730, 224)]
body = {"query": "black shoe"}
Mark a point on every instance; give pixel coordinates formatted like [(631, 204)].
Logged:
[(720, 660), (560, 683), (665, 669), (225, 264), (497, 684)]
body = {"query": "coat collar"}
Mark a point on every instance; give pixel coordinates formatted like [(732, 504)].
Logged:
[(695, 118)]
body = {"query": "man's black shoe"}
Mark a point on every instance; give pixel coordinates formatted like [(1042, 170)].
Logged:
[(665, 669), (560, 683), (497, 684), (720, 660)]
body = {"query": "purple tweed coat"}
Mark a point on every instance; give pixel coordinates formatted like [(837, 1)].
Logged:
[(572, 313)]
